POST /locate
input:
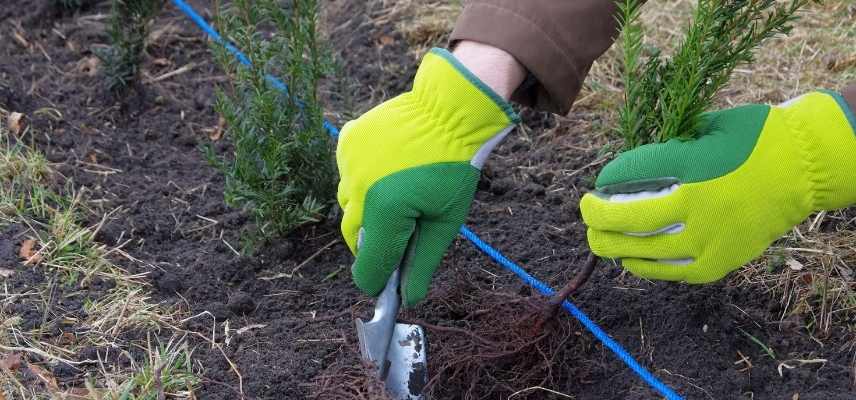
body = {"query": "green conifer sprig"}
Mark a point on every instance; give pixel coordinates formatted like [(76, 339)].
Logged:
[(130, 21), (282, 171), (664, 98)]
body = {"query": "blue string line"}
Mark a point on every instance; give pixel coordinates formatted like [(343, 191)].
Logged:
[(242, 58), (491, 252), (573, 310)]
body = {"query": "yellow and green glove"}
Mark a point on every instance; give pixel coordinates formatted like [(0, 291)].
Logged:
[(409, 168), (695, 210)]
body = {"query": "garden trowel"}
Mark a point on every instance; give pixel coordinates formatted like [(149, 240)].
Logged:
[(396, 350)]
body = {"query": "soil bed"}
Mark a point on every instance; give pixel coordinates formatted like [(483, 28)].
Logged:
[(300, 341)]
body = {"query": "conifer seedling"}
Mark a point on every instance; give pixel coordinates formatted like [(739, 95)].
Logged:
[(664, 97), (282, 170), (130, 21)]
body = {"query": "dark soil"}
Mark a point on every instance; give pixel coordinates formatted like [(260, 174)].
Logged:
[(303, 343)]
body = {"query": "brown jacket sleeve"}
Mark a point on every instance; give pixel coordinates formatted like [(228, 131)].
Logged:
[(557, 41)]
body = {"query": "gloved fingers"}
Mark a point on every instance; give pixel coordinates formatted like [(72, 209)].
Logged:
[(672, 270), (651, 164), (381, 249), (431, 240), (641, 215), (658, 246)]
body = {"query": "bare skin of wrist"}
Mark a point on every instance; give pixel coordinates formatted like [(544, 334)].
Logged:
[(495, 67)]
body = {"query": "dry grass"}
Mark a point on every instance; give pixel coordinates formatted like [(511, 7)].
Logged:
[(817, 54), (424, 24), (810, 272), (114, 314)]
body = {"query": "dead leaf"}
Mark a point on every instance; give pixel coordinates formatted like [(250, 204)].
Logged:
[(66, 339), (45, 376), (248, 328), (161, 62), (80, 394), (840, 64), (386, 40), (217, 132), (5, 273), (27, 252), (88, 65), (15, 122), (794, 264), (11, 362)]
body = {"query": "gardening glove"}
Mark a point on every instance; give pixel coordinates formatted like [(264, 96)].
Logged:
[(694, 210), (409, 170)]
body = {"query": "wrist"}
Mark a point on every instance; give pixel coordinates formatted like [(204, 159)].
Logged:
[(498, 69)]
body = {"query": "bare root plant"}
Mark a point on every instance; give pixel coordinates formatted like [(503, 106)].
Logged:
[(488, 352), (492, 352)]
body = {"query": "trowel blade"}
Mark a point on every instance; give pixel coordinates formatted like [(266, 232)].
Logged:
[(407, 374)]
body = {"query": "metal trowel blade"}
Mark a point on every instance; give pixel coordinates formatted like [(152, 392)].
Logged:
[(407, 374)]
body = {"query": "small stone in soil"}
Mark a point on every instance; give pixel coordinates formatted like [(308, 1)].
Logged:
[(241, 303)]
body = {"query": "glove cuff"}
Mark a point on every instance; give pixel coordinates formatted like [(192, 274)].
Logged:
[(442, 74), (825, 129), (450, 94)]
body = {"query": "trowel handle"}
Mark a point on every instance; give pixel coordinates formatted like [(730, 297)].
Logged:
[(389, 301)]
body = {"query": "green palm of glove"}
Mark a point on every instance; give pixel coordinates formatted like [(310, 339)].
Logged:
[(695, 210), (409, 170)]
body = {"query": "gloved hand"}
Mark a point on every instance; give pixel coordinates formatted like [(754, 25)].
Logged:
[(409, 168), (695, 210)]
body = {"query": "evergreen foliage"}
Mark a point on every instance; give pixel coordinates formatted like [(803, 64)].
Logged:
[(283, 170), (665, 97), (129, 28), (68, 4)]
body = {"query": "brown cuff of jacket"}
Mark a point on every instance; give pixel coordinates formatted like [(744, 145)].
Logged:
[(849, 94), (556, 41)]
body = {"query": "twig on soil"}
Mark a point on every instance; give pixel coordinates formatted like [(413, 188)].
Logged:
[(171, 74), (299, 266), (312, 257), (599, 161), (230, 247), (45, 355)]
